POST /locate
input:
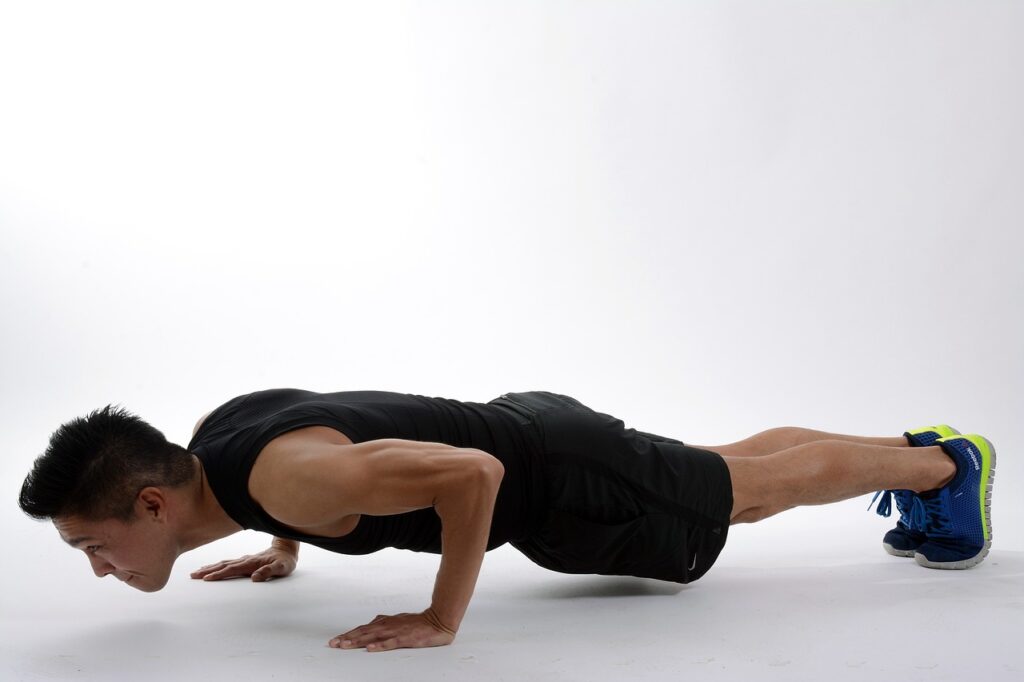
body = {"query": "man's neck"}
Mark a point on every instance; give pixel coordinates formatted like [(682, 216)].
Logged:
[(209, 521)]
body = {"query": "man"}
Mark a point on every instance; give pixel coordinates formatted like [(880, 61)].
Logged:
[(574, 489)]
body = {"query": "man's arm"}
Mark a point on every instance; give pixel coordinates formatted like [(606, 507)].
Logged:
[(466, 514), (318, 482)]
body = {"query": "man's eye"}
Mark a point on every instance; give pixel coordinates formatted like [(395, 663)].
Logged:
[(92, 548)]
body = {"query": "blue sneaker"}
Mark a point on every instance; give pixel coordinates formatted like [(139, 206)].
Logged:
[(958, 521), (907, 536)]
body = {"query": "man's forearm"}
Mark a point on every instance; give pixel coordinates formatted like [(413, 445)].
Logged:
[(465, 527)]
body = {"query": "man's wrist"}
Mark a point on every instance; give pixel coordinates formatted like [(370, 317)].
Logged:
[(286, 545), (434, 620)]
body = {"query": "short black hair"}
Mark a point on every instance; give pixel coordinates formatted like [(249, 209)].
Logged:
[(94, 467)]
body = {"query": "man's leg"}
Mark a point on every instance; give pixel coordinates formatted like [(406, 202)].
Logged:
[(824, 471), (784, 437)]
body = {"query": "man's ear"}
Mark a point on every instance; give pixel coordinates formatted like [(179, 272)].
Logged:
[(151, 503)]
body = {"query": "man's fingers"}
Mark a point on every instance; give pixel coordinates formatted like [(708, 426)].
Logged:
[(226, 572), (363, 635), (262, 573), (204, 569), (219, 566), (259, 567), (374, 639), (352, 635), (234, 570), (383, 644), (200, 574)]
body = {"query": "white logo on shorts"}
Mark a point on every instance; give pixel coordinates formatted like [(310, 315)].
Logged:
[(694, 562)]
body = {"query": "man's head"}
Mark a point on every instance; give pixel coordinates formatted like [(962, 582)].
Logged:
[(110, 483)]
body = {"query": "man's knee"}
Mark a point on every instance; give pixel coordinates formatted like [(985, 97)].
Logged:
[(747, 516), (782, 437), (762, 443), (746, 493)]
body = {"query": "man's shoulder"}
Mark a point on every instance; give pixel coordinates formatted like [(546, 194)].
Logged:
[(263, 401), (281, 459), (200, 423), (282, 473)]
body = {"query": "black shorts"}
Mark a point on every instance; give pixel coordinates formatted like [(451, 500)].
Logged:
[(622, 501)]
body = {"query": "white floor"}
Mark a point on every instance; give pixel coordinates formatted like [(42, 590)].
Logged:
[(801, 596), (705, 218)]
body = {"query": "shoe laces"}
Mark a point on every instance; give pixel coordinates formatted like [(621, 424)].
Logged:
[(932, 516), (885, 506), (915, 518)]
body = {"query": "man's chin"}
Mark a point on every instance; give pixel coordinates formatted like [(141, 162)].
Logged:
[(138, 584)]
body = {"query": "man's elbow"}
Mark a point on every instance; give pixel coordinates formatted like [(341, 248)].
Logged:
[(470, 484), (491, 467)]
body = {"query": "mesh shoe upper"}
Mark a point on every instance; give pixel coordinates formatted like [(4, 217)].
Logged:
[(909, 531), (955, 512)]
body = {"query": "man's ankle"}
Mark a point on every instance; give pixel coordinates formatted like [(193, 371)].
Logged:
[(942, 469)]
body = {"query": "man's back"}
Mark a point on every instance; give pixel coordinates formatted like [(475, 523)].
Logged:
[(232, 436)]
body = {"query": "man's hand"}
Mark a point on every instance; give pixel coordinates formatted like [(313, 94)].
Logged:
[(405, 630), (270, 563)]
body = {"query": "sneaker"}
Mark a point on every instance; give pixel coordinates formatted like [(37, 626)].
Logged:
[(958, 522), (908, 535)]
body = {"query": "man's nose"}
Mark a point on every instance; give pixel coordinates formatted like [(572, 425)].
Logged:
[(100, 567)]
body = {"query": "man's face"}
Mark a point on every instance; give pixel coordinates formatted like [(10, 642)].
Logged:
[(141, 553)]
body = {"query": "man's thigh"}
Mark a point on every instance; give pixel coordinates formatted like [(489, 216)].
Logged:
[(620, 503)]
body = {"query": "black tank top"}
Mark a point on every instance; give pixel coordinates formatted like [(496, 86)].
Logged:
[(231, 437)]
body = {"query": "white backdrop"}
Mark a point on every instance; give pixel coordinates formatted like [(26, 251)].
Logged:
[(707, 219)]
